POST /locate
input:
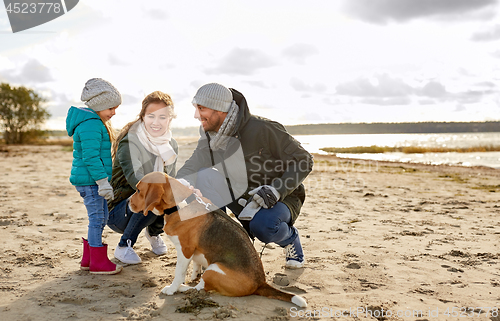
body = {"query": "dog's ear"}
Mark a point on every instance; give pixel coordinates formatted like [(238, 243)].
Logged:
[(153, 197), (151, 190), (178, 193)]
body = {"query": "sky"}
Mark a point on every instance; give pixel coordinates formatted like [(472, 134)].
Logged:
[(296, 62)]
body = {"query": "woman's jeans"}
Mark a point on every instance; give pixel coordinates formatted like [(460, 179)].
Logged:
[(97, 211), (122, 220), (268, 225)]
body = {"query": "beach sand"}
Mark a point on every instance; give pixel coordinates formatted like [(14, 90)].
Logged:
[(413, 240)]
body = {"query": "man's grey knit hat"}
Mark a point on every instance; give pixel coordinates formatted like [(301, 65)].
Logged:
[(214, 96), (98, 94)]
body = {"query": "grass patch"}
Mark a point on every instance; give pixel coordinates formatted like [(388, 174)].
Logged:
[(45, 142), (52, 142), (407, 150), (491, 188), (454, 177)]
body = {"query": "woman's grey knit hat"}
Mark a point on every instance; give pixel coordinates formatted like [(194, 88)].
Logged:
[(99, 94), (214, 96)]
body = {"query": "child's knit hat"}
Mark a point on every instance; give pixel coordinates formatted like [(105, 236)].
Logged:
[(98, 94)]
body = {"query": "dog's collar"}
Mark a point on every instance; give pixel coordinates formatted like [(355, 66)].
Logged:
[(174, 209), (171, 210)]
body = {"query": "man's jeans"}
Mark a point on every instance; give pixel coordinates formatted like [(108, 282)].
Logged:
[(268, 225), (122, 220)]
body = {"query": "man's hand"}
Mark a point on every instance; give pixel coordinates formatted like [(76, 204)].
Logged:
[(191, 187), (265, 195)]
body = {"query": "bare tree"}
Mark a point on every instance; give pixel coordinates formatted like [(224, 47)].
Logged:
[(21, 113)]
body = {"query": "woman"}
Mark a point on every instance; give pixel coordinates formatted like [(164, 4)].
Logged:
[(143, 146)]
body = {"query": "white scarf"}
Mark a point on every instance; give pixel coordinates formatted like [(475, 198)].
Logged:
[(158, 146)]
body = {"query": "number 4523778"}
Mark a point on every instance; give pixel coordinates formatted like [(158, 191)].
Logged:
[(34, 7), (456, 312)]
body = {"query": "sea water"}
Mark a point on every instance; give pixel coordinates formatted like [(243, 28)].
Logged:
[(314, 143)]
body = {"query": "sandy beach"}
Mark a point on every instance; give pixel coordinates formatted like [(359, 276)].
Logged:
[(386, 241)]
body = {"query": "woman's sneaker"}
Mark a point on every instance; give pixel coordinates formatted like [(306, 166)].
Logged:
[(157, 245), (294, 255), (126, 254)]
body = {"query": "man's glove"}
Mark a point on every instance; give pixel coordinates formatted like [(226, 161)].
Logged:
[(265, 195), (191, 187), (105, 189), (249, 209)]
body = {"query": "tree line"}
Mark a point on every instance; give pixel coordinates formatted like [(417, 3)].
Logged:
[(395, 128), (21, 114)]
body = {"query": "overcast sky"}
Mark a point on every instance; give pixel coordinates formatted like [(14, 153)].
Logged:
[(297, 62)]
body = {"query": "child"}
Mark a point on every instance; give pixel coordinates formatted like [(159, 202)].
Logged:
[(91, 167)]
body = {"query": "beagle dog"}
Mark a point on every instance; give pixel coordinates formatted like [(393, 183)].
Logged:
[(207, 236)]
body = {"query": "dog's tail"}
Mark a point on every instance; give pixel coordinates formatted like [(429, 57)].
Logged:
[(272, 293)]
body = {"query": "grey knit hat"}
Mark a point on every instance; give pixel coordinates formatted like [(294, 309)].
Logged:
[(98, 94), (214, 96)]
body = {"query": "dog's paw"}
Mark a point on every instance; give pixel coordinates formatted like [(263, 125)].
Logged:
[(168, 290), (184, 288), (197, 269), (195, 275)]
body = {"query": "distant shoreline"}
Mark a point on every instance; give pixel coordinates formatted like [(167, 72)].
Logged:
[(362, 128), (395, 128)]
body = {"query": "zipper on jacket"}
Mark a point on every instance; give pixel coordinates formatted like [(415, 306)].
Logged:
[(223, 168)]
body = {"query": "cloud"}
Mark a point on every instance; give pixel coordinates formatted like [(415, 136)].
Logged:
[(487, 84), (470, 96), (299, 52), (130, 100), (115, 61), (380, 86), (384, 11), (258, 83), (433, 89), (59, 104), (385, 90), (157, 14), (299, 85), (242, 62), (32, 72), (487, 35), (391, 101)]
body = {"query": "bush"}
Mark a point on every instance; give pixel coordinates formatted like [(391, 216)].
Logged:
[(21, 114)]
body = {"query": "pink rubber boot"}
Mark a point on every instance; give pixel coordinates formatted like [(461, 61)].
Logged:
[(99, 262), (85, 262)]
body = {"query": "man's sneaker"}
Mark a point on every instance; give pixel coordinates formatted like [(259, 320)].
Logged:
[(157, 244), (126, 254), (294, 255)]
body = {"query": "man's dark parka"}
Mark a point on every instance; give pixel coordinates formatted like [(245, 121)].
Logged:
[(272, 157)]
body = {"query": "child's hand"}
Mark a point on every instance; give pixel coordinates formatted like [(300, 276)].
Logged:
[(105, 189)]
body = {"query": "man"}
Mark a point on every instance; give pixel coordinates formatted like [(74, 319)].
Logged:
[(251, 165)]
